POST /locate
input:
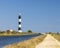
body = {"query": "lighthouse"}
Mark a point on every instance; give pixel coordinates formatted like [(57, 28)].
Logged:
[(19, 23)]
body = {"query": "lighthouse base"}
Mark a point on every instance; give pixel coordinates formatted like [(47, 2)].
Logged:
[(20, 31)]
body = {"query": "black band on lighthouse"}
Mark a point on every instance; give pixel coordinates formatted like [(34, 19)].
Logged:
[(19, 28), (19, 17), (19, 22)]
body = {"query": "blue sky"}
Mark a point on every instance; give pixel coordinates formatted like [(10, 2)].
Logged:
[(37, 15)]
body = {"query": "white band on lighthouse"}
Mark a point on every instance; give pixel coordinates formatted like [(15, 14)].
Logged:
[(19, 20), (19, 25)]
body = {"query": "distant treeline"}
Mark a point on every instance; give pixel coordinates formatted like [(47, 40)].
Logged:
[(52, 32)]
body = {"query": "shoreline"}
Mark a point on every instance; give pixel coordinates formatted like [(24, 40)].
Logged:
[(27, 43), (17, 34)]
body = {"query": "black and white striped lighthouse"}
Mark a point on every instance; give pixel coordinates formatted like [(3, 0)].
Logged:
[(19, 23)]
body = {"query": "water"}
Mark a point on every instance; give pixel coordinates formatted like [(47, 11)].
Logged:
[(5, 40)]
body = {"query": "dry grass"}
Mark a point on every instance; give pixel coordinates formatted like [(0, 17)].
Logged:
[(27, 44), (57, 36)]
